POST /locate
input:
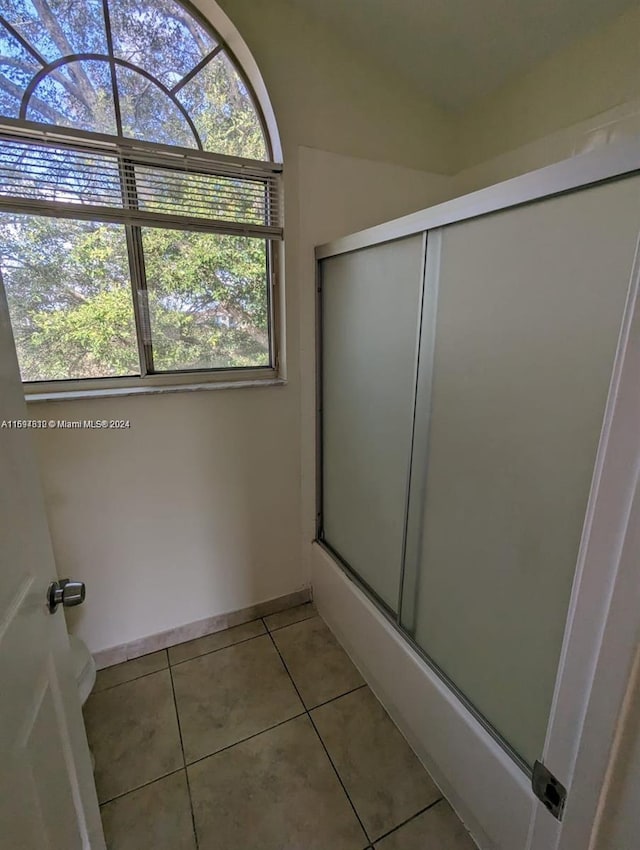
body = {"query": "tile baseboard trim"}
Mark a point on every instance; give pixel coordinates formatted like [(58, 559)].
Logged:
[(162, 640)]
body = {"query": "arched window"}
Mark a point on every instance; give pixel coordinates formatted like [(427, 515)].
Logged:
[(139, 204)]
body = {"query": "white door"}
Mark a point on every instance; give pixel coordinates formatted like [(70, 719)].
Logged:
[(47, 794)]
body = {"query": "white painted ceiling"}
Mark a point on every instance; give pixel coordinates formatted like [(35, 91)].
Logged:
[(458, 50)]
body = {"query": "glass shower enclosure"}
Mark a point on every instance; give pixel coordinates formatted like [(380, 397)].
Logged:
[(463, 376)]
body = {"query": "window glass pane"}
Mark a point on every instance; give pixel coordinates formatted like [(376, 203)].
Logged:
[(69, 295), (17, 67), (62, 28), (162, 38), (149, 114), (208, 299), (220, 104), (76, 95)]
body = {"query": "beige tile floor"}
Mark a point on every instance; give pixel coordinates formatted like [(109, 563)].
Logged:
[(260, 737)]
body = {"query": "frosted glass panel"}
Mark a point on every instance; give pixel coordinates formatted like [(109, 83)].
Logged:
[(529, 306), (371, 304)]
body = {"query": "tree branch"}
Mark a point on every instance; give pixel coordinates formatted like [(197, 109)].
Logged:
[(44, 108), (194, 30), (241, 318), (17, 63), (86, 92), (57, 75)]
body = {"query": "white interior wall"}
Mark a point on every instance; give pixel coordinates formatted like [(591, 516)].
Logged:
[(195, 510), (188, 514), (592, 75), (596, 132), (328, 95)]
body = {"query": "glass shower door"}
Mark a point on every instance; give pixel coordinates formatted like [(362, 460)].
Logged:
[(370, 318), (522, 315)]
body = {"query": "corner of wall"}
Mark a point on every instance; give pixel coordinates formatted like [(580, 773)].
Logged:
[(334, 95), (589, 77)]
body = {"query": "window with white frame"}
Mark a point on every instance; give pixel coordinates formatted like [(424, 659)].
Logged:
[(139, 204)]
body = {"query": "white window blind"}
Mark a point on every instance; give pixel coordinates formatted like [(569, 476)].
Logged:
[(138, 183)]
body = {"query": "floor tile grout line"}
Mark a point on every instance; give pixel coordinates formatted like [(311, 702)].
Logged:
[(140, 787), (126, 682), (193, 816), (177, 663), (408, 820), (184, 766), (275, 725), (267, 631), (218, 649), (333, 699), (170, 663), (128, 660), (294, 623), (244, 740), (306, 712), (320, 705), (184, 759), (203, 758), (335, 769), (209, 652), (182, 643), (315, 728)]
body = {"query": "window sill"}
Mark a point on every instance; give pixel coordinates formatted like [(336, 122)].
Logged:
[(68, 393)]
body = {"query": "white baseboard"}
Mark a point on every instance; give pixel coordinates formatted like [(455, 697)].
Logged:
[(190, 631), (490, 793)]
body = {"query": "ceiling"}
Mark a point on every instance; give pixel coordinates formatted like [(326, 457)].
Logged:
[(458, 50)]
